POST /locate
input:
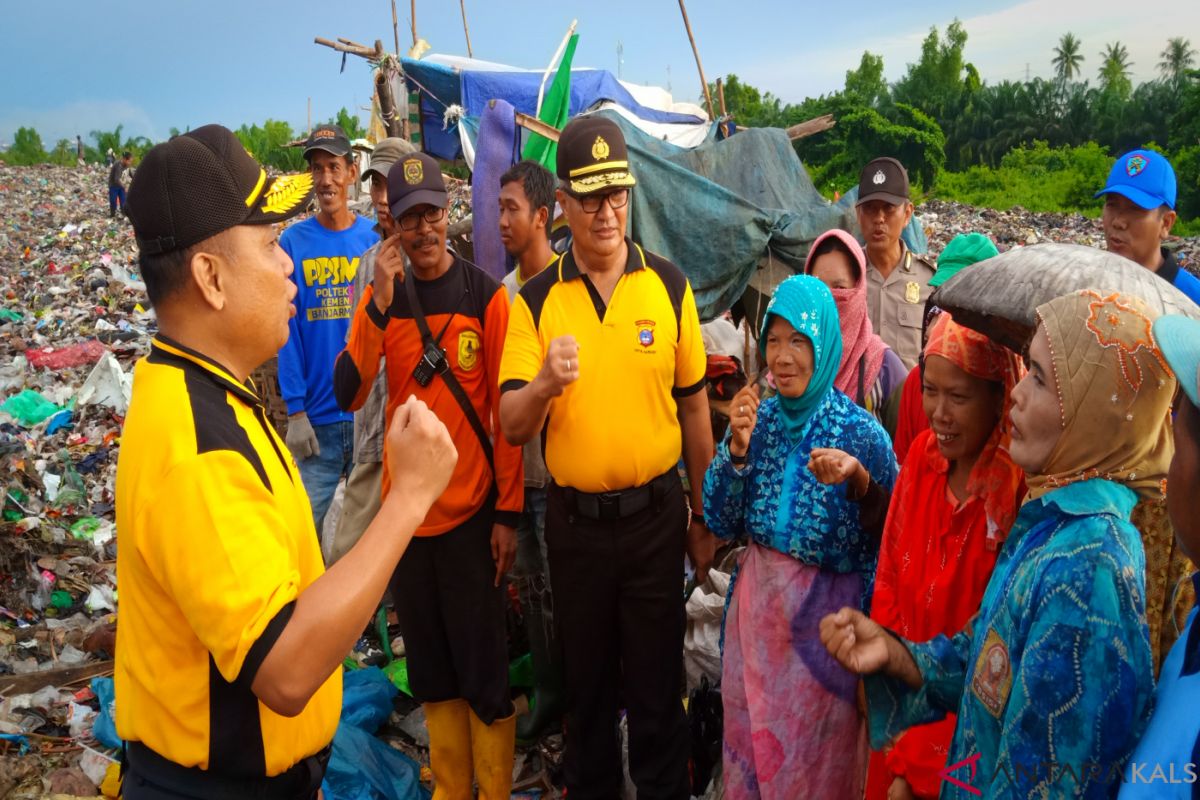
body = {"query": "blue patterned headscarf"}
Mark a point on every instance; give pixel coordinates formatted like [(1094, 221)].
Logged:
[(806, 304)]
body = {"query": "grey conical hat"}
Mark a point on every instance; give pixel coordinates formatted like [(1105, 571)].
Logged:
[(999, 296)]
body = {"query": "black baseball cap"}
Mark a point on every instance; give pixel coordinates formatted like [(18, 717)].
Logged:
[(330, 138), (203, 182), (592, 156), (414, 180), (883, 179)]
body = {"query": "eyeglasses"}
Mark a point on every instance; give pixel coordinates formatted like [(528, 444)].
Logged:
[(411, 220), (591, 202)]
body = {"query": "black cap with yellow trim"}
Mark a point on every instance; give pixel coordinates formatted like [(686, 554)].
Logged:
[(203, 182), (592, 156)]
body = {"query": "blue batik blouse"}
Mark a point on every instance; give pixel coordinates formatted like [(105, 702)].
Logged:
[(780, 504), (1052, 679)]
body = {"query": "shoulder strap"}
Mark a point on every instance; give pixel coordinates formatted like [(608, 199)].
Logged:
[(447, 374)]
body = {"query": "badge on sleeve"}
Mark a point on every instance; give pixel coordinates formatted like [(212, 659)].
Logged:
[(912, 292), (993, 676)]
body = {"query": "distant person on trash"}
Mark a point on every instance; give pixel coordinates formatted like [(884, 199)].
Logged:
[(228, 659)]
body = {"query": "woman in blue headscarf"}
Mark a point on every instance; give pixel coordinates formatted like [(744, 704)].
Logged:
[(806, 474)]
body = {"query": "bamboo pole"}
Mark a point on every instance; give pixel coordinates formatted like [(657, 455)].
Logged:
[(352, 48), (413, 13), (809, 127), (537, 126), (699, 66), (721, 97), (462, 5), (387, 105), (395, 28)]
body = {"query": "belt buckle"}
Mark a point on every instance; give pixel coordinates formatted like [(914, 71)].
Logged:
[(608, 505)]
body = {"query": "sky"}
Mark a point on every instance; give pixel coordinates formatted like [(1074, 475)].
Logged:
[(150, 65)]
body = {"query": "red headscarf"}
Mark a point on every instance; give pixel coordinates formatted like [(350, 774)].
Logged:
[(862, 349), (995, 477)]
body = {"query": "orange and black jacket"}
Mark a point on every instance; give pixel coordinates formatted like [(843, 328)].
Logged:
[(469, 310)]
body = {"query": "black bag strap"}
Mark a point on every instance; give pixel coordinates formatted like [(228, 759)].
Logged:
[(456, 389)]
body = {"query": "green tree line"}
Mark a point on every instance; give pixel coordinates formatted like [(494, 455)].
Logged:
[(268, 142), (955, 131)]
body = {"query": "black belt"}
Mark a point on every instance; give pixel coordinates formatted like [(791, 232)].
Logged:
[(301, 782), (609, 506)]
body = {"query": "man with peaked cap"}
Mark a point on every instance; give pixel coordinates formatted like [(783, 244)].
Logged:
[(325, 249), (1139, 210), (441, 329), (363, 487), (897, 278), (232, 635), (604, 351)]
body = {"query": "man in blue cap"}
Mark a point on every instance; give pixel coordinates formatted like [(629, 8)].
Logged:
[(1139, 210)]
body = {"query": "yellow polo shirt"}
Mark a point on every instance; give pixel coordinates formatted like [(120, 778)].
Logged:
[(217, 542), (616, 427)]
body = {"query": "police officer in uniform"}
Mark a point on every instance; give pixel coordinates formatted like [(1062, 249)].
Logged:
[(604, 350), (897, 278)]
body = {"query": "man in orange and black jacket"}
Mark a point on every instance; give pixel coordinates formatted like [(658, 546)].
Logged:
[(448, 586)]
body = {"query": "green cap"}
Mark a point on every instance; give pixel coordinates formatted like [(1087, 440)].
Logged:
[(962, 251)]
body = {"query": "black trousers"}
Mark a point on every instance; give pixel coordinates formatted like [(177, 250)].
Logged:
[(619, 611), (452, 618)]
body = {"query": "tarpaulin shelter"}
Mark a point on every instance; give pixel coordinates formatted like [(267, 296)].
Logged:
[(737, 214)]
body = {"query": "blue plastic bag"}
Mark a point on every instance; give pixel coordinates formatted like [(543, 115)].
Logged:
[(105, 726), (362, 767)]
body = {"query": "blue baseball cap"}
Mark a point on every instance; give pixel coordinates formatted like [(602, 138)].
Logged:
[(1145, 177), (1179, 339)]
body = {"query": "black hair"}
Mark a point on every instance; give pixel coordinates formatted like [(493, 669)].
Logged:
[(538, 183), (167, 273), (127, 154), (834, 244)]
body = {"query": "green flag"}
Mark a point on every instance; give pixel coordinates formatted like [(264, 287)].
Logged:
[(556, 106)]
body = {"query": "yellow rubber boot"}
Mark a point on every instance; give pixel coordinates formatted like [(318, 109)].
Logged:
[(492, 749), (449, 724)]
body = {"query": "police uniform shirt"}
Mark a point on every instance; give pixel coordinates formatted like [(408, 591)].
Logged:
[(896, 304), (616, 426), (217, 543)]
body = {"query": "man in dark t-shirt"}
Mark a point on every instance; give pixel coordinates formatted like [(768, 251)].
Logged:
[(116, 189)]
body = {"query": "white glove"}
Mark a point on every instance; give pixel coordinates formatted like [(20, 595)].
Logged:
[(301, 438)]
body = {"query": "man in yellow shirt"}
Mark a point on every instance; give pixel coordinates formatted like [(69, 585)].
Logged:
[(232, 634), (604, 351)]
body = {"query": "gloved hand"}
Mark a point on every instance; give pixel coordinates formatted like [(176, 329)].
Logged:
[(301, 438)]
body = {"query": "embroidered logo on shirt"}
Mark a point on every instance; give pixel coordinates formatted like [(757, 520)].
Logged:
[(993, 678), (645, 332), (468, 350), (912, 292)]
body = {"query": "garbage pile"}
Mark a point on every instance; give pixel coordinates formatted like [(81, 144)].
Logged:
[(1017, 227)]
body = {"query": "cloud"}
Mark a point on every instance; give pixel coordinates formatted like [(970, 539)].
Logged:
[(79, 118), (1002, 45)]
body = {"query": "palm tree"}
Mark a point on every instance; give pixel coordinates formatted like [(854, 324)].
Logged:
[(1067, 57), (1177, 59), (1114, 70)]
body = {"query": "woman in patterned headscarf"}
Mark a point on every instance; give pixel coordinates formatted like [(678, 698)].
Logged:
[(954, 502), (806, 474), (1051, 680)]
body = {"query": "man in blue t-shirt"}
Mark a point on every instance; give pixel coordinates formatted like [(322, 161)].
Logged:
[(325, 250), (1139, 210)]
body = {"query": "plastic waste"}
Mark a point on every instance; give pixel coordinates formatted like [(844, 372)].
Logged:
[(361, 767), (105, 728), (29, 407)]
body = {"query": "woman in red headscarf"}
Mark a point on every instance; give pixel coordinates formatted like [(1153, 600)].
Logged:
[(954, 502), (870, 372)]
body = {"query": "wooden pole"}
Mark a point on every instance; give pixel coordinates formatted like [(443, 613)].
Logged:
[(395, 28), (699, 66), (537, 126), (413, 13), (387, 105), (809, 127), (462, 5), (721, 97)]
